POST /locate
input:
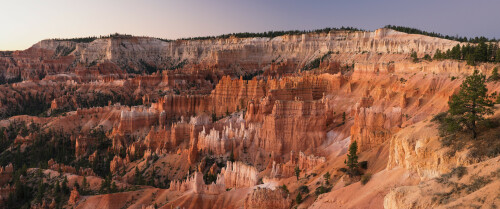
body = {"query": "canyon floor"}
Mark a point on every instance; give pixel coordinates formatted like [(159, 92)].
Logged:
[(138, 122)]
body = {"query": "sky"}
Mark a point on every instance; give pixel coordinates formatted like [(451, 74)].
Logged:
[(25, 22)]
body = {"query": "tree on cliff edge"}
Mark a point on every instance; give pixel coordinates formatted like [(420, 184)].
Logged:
[(471, 103), (352, 158)]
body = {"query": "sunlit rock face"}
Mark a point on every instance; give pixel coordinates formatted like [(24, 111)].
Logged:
[(234, 122)]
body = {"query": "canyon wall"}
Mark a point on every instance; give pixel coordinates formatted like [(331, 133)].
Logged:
[(140, 53)]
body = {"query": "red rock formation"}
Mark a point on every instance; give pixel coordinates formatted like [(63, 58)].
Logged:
[(285, 111), (5, 191), (293, 125), (267, 198), (304, 162), (69, 169), (196, 184), (237, 175), (6, 174), (372, 126), (73, 197), (232, 95), (116, 164), (176, 106), (222, 142), (138, 118)]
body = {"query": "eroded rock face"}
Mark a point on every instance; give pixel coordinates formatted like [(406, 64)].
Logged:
[(237, 175), (197, 185), (230, 138), (267, 198), (6, 173), (293, 125), (304, 162), (372, 126), (138, 118), (272, 123), (70, 169), (478, 187), (417, 148)]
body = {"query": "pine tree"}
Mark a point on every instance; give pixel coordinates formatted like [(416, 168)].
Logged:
[(57, 188), (326, 177), (494, 75), (85, 185), (352, 158), (138, 176), (297, 172), (481, 52), (113, 187), (214, 117), (414, 56), (438, 55), (470, 60), (471, 103), (455, 52), (40, 191), (152, 177), (497, 56), (298, 199), (64, 186)]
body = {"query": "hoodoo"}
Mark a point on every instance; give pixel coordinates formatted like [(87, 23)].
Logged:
[(392, 118)]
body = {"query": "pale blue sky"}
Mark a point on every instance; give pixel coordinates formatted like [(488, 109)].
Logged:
[(25, 22)]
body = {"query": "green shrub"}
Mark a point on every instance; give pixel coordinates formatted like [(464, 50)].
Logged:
[(363, 164), (285, 189), (322, 189), (459, 171), (365, 178), (303, 189)]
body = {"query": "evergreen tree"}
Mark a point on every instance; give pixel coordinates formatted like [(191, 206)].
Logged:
[(438, 55), (64, 186), (138, 176), (471, 103), (427, 57), (455, 52), (84, 187), (113, 187), (298, 199), (326, 177), (494, 75), (40, 191), (481, 52), (352, 158), (497, 56), (414, 56), (76, 185), (297, 172), (214, 117), (470, 59), (152, 177)]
